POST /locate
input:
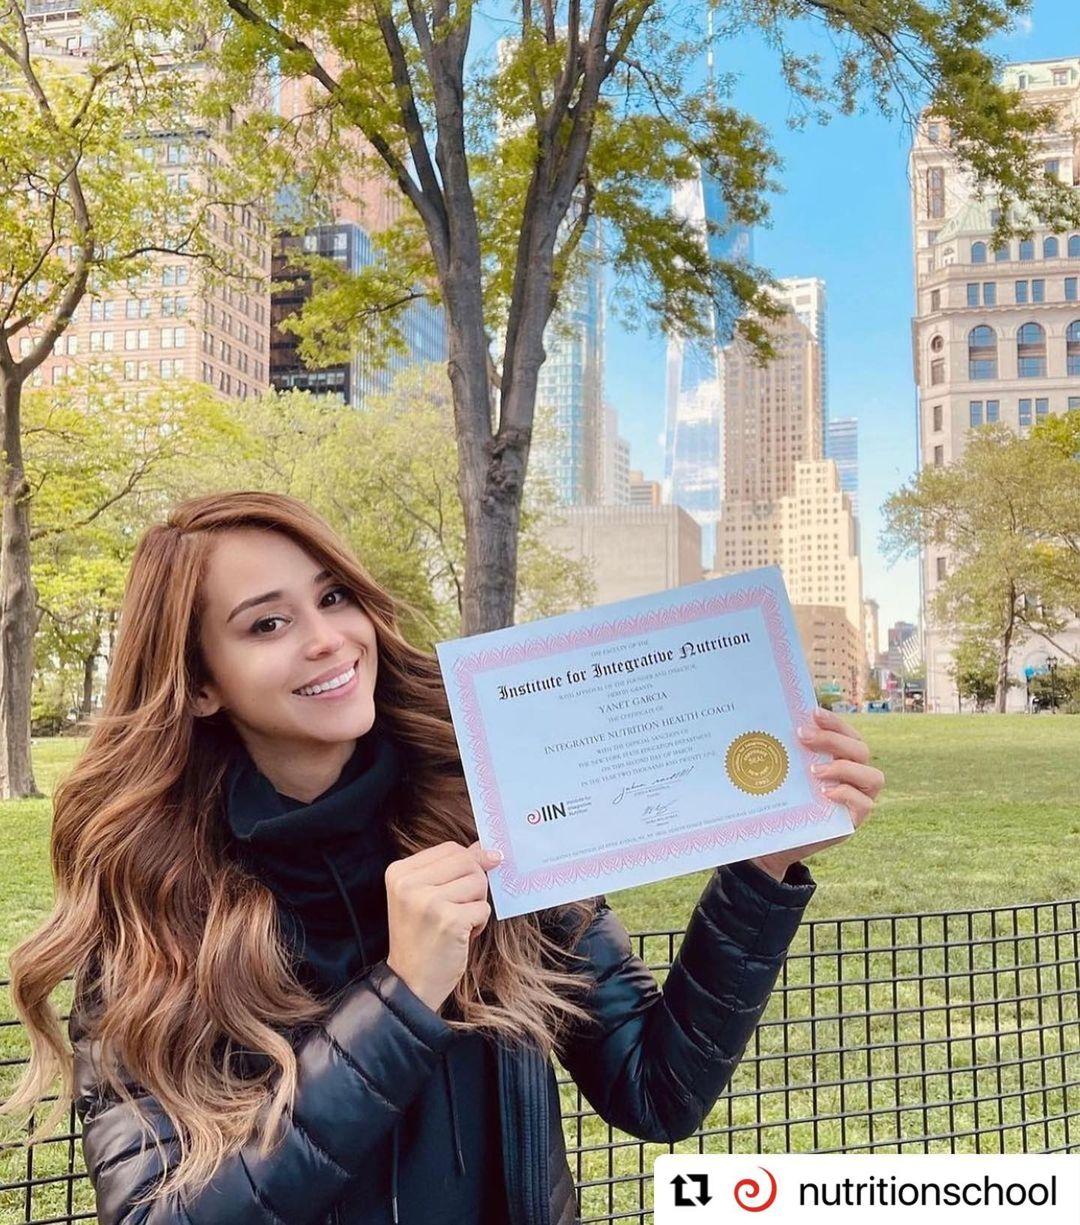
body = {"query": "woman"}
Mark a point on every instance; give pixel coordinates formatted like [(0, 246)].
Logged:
[(271, 896)]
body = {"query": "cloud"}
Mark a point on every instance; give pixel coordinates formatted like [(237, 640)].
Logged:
[(1023, 26)]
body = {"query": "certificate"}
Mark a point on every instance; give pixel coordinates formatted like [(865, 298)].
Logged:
[(634, 741)]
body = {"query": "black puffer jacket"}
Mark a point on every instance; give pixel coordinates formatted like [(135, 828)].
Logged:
[(652, 1064)]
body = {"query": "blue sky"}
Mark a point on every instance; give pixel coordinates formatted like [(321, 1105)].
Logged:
[(844, 217)]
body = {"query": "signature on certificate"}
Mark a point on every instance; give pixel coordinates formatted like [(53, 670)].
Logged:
[(656, 785)]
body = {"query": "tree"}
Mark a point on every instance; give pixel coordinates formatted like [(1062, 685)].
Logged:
[(100, 466), (584, 111), (975, 671), (993, 516), (82, 209), (386, 477)]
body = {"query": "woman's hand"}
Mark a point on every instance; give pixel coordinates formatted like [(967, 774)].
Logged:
[(851, 780), (436, 903)]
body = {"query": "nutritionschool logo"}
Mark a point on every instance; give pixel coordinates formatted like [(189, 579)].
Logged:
[(752, 1196), (546, 812)]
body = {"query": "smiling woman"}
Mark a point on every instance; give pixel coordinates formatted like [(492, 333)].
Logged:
[(272, 899)]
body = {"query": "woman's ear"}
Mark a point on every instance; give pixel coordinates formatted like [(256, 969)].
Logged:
[(206, 702)]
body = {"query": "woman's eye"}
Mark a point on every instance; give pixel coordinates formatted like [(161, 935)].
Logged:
[(345, 591), (255, 629)]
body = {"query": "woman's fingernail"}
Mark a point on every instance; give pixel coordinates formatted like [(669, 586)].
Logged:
[(494, 856), (816, 768), (804, 733)]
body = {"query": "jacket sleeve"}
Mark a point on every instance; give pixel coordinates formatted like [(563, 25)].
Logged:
[(655, 1061), (357, 1071)]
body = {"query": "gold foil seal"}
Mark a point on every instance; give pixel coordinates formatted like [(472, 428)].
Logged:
[(756, 763)]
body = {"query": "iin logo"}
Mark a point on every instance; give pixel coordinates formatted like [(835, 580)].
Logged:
[(747, 1190), (546, 812)]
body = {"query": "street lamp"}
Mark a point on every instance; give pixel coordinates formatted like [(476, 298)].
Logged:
[(1051, 664)]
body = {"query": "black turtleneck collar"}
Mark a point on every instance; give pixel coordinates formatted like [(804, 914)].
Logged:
[(325, 860)]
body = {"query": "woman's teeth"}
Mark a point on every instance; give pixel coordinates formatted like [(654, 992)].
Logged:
[(336, 683)]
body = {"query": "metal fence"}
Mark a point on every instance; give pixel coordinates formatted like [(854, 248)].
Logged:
[(955, 1031)]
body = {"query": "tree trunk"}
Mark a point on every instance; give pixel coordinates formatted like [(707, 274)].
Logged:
[(1002, 688), (86, 705), (18, 608)]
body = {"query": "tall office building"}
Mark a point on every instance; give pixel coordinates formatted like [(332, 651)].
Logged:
[(807, 298), (996, 331), (694, 433), (842, 446), (364, 202), (784, 504), (423, 325), (570, 386), (772, 414), (615, 466), (171, 322)]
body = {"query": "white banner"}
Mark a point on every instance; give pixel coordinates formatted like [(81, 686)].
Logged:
[(937, 1189)]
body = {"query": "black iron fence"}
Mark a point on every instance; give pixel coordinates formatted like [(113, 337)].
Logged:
[(955, 1031)]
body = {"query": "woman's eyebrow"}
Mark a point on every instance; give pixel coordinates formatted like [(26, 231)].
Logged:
[(270, 595)]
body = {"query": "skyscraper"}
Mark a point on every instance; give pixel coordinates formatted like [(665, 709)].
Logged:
[(806, 297), (694, 435), (783, 502), (842, 446), (996, 332), (570, 386), (173, 321), (423, 325)]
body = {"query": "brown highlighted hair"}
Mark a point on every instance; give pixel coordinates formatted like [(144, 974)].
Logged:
[(176, 945)]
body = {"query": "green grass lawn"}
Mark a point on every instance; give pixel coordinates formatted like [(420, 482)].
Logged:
[(978, 812)]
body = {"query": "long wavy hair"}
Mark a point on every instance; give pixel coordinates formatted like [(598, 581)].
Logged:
[(177, 945)]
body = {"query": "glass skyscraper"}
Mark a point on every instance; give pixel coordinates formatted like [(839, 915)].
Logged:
[(569, 390), (423, 325), (694, 435)]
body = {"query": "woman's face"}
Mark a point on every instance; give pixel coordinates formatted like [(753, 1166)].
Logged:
[(274, 625)]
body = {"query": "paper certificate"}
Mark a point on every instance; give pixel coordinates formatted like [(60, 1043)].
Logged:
[(635, 741)]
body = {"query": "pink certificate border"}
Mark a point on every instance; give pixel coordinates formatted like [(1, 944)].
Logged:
[(469, 667)]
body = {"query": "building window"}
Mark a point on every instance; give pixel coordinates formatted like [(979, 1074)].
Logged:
[(1002, 253), (1074, 403), (1022, 83), (1038, 291), (1051, 248), (975, 413), (935, 299), (989, 293), (937, 418), (1074, 246), (937, 370), (937, 344), (973, 293), (1027, 249), (941, 570), (1025, 413), (935, 191), (1031, 352), (1042, 409), (978, 253), (1070, 288), (1061, 76), (993, 411), (982, 353), (933, 133), (1072, 349), (1021, 293), (939, 456)]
